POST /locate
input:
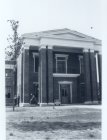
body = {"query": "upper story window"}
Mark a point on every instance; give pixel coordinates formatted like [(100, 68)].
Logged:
[(36, 61), (81, 64), (61, 63)]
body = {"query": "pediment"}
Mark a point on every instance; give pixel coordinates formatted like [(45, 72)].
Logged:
[(62, 34), (69, 35)]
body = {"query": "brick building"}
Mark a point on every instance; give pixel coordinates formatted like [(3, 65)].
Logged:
[(61, 65), (9, 81)]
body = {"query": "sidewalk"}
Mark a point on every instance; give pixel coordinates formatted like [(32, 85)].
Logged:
[(64, 106), (82, 106)]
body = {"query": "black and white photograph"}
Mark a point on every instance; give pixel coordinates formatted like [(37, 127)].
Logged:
[(52, 56)]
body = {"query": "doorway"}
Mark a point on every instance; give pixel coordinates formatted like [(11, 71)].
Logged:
[(65, 92)]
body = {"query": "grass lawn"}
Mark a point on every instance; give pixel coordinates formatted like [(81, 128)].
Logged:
[(46, 123)]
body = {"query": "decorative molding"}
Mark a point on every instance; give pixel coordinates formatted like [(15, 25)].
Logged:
[(61, 55), (42, 46), (65, 75), (54, 35), (64, 82)]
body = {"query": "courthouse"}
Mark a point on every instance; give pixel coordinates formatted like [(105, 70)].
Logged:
[(59, 65)]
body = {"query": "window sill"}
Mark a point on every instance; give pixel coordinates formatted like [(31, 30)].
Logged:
[(65, 75)]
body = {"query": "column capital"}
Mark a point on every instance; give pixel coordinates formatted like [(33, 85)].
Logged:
[(50, 47), (87, 76), (91, 50), (85, 50), (42, 47)]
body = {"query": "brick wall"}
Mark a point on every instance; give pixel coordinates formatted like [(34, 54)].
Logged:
[(26, 75), (9, 79), (33, 76), (50, 75)]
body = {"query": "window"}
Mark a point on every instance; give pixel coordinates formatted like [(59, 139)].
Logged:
[(61, 63), (8, 73), (81, 64), (8, 92), (36, 61)]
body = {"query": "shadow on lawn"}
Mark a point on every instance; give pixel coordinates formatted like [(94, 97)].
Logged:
[(49, 126)]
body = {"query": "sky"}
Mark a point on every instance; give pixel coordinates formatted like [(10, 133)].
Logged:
[(39, 15)]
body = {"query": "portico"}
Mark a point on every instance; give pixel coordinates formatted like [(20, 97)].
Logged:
[(67, 63)]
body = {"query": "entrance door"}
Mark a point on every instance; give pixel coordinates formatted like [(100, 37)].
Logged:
[(65, 93)]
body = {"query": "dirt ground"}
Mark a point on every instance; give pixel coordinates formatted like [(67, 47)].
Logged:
[(48, 123)]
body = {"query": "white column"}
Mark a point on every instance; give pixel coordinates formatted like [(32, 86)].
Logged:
[(97, 67), (25, 47)]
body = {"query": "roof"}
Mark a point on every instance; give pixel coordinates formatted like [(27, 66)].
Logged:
[(62, 34)]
